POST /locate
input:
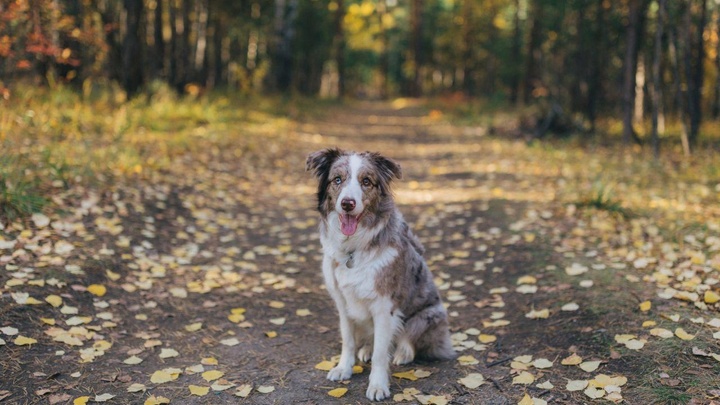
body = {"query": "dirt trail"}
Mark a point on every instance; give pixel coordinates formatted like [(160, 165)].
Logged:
[(239, 231)]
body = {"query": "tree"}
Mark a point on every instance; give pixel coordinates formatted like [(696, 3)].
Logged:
[(634, 32), (132, 55)]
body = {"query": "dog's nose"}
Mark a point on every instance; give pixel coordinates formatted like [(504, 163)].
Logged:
[(347, 204)]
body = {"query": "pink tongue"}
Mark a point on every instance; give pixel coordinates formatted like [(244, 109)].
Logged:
[(348, 224)]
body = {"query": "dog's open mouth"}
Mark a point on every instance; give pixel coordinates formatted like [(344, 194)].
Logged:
[(349, 223)]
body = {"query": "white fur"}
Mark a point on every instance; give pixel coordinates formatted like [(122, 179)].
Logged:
[(361, 309), (352, 189)]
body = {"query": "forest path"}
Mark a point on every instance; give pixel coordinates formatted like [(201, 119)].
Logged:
[(214, 264)]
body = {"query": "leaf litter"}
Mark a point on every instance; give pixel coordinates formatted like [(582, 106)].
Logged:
[(155, 251)]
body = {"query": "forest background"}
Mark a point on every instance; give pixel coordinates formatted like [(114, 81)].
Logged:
[(643, 69)]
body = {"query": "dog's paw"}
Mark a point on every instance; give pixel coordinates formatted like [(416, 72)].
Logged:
[(377, 392), (365, 353), (339, 374), (404, 353)]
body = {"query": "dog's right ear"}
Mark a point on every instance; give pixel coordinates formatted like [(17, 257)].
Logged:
[(320, 162)]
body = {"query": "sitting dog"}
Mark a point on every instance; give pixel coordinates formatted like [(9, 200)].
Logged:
[(374, 270)]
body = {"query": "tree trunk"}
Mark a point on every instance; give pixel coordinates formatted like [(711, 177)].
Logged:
[(697, 75), (596, 71), (132, 48), (173, 79), (467, 50), (159, 51), (633, 33), (416, 43), (339, 46), (280, 77), (515, 55), (656, 69), (679, 97), (716, 98), (534, 53)]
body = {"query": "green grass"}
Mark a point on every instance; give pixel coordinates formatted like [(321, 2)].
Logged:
[(601, 197)]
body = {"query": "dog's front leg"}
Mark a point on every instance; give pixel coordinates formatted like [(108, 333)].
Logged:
[(343, 370), (386, 323)]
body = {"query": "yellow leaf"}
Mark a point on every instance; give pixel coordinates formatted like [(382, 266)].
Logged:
[(271, 334), (524, 378), (160, 377), (572, 360), (661, 332), (483, 338), (527, 280), (576, 385), (235, 318), (711, 297), (32, 301), (277, 304), (538, 314), (209, 361), (153, 400), (112, 275), (472, 380), (526, 400), (23, 340), (132, 360), (238, 311), (97, 289), (407, 375), (244, 390), (337, 392), (590, 366), (467, 360), (357, 370), (325, 365), (193, 327), (649, 324), (48, 321), (265, 389), (54, 300), (645, 306), (542, 363), (198, 390), (212, 375), (303, 312), (680, 332), (81, 400)]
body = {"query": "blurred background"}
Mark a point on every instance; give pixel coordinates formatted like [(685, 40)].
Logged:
[(643, 64)]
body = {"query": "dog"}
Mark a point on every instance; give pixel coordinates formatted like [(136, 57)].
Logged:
[(374, 270)]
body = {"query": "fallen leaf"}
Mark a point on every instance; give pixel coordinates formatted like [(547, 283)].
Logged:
[(661, 332), (576, 385), (193, 327), (594, 392), (265, 389), (198, 390), (645, 306), (137, 387), (230, 342), (590, 366), (711, 297), (160, 377), (168, 353), (680, 332), (97, 289), (337, 392), (23, 340), (547, 385), (154, 400), (485, 339), (407, 375), (104, 397), (212, 375), (523, 378), (467, 360), (325, 365), (572, 360), (570, 307), (132, 360), (244, 390), (303, 312), (54, 300), (538, 314), (81, 400), (542, 363), (472, 380)]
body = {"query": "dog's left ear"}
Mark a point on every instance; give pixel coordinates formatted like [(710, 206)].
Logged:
[(387, 168), (320, 162)]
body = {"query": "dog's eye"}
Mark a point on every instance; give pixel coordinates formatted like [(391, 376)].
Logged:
[(366, 182), (338, 180)]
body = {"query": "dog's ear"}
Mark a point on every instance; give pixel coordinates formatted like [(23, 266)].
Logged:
[(320, 162), (387, 168)]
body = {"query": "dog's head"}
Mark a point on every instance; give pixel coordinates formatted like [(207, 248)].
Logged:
[(353, 185)]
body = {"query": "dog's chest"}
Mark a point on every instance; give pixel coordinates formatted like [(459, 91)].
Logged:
[(356, 278)]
